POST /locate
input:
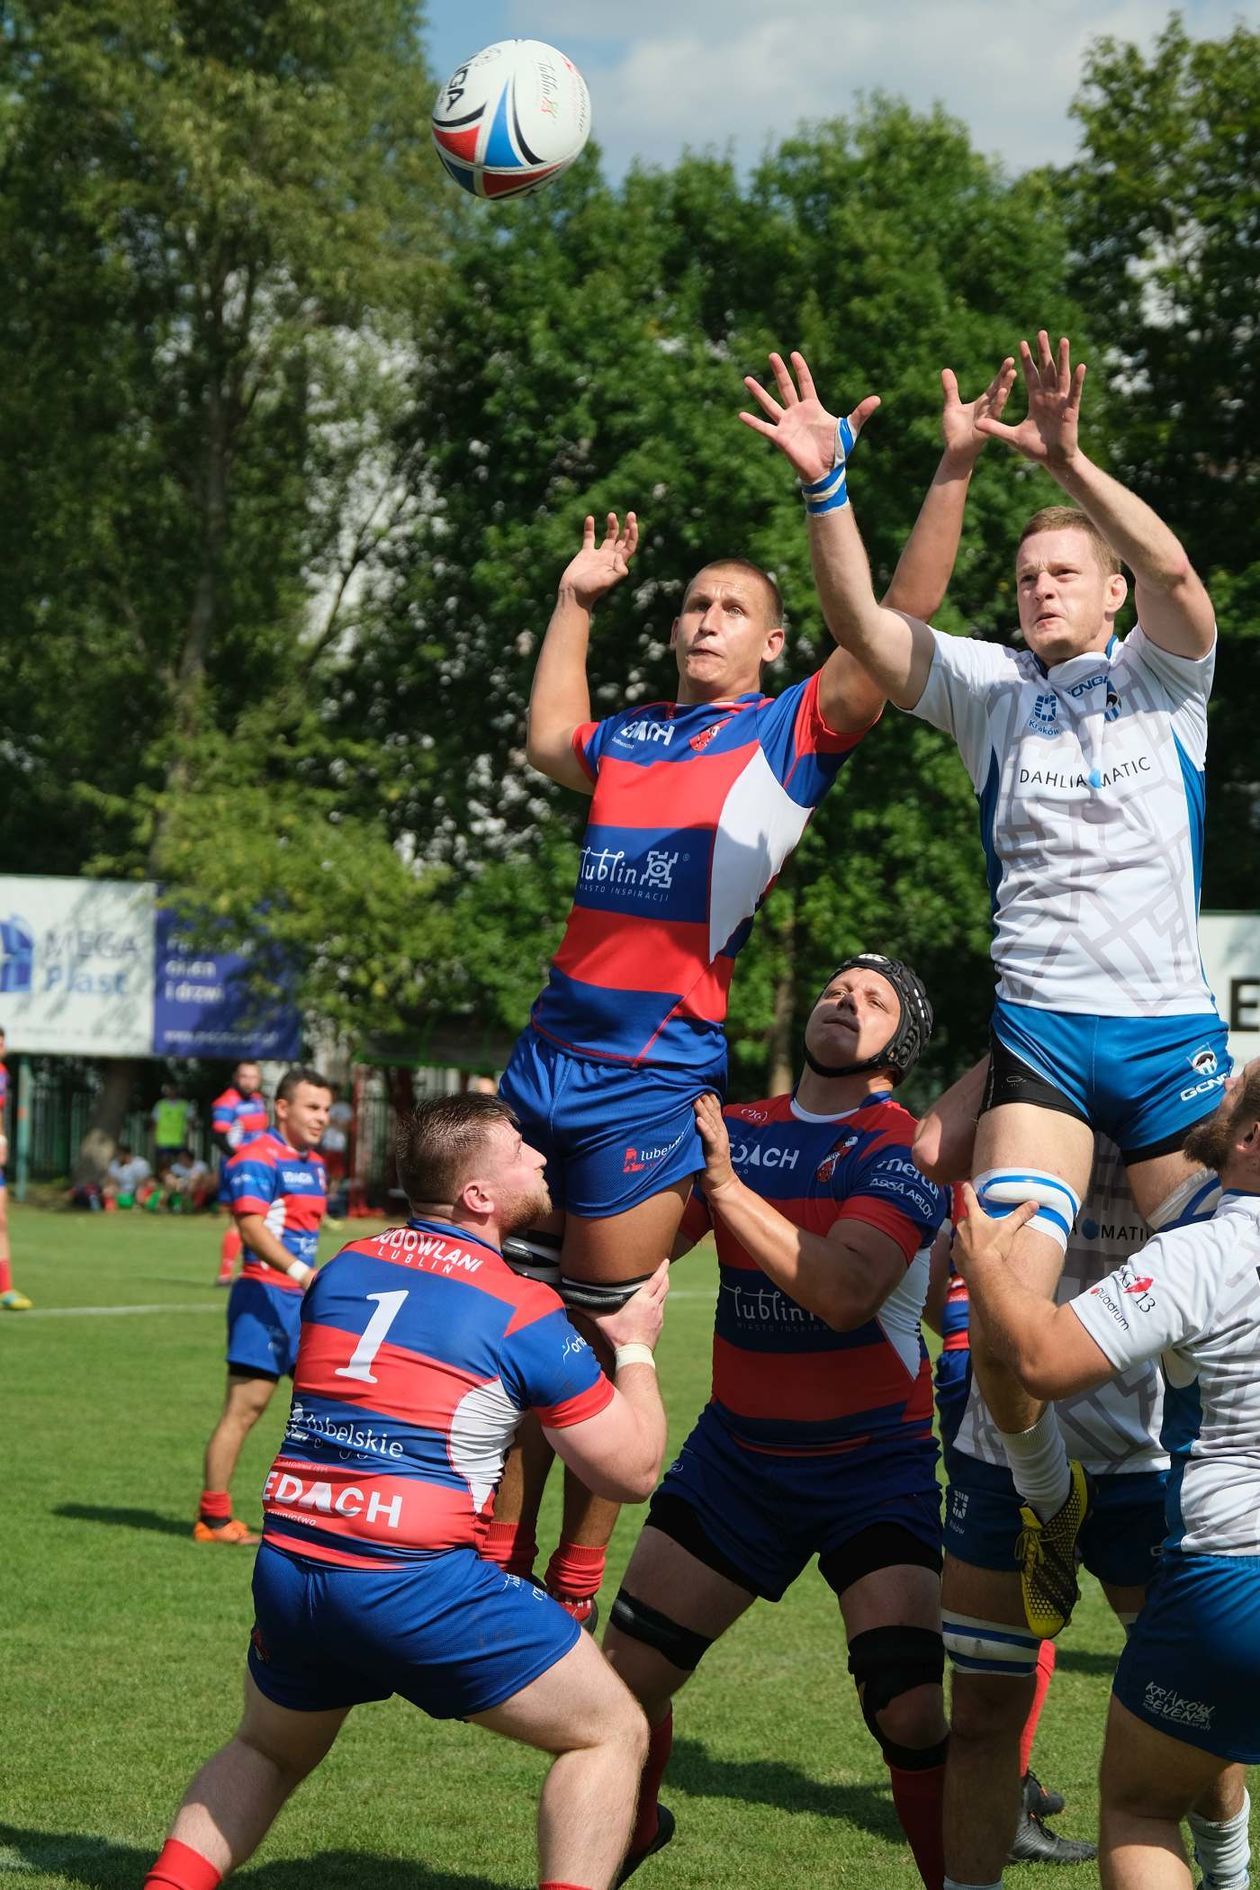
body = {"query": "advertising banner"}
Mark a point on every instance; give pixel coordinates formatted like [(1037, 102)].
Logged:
[(1231, 958), (99, 968)]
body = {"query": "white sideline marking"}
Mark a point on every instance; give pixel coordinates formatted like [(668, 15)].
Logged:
[(100, 1312), (215, 1305)]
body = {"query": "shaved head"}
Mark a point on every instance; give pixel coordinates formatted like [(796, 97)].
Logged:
[(766, 586)]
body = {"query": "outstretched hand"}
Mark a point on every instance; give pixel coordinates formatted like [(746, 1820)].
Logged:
[(960, 420), (596, 568), (797, 422), (718, 1172), (979, 1241), (1048, 433)]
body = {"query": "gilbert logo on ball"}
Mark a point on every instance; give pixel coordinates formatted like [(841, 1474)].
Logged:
[(512, 118)]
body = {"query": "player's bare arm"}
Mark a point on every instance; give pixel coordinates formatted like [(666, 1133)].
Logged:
[(1046, 1347), (843, 1277), (926, 563), (945, 1140), (618, 1453), (1173, 606), (895, 651), (261, 1242), (560, 700)]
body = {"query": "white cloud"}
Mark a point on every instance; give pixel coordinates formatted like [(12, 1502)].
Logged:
[(740, 74)]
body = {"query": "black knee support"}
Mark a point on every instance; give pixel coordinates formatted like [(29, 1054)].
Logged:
[(682, 1647), (597, 1296), (534, 1256), (887, 1662)]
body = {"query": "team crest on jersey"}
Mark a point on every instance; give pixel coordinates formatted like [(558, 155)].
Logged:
[(702, 740), (1112, 709), (1204, 1061), (829, 1163), (1044, 717)]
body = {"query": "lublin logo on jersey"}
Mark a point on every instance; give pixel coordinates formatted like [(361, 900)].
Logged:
[(1044, 717), (1205, 1066), (600, 866), (17, 954)]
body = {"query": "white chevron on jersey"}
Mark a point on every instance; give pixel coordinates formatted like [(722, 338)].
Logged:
[(1090, 782), (1192, 1298)]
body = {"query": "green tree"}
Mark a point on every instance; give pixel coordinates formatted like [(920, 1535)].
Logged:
[(1165, 213), (587, 354)]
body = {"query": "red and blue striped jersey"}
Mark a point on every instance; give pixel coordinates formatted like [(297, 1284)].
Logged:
[(694, 812), (4, 1093), (420, 1352), (289, 1190), (238, 1119), (785, 1383)]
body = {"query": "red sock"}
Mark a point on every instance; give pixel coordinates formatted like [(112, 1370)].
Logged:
[(6, 1276), (920, 1798), (229, 1252), (1045, 1667), (576, 1572), (183, 1869), (215, 1506), (511, 1545), (660, 1745), (551, 1884)]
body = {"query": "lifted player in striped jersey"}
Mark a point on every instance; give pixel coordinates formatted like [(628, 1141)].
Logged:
[(818, 1436)]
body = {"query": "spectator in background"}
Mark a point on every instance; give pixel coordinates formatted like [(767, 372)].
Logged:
[(10, 1299), (172, 1116), (188, 1182), (128, 1181)]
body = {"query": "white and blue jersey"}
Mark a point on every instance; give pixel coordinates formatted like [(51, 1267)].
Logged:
[(1090, 779), (1192, 1299)]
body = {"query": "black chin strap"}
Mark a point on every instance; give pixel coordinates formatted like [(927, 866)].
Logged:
[(845, 1069)]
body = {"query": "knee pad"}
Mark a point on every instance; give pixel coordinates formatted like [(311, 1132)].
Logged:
[(990, 1647), (887, 1662), (999, 1190), (599, 1296), (534, 1256), (682, 1647), (1194, 1199)]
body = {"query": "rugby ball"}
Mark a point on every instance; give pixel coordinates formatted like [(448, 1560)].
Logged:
[(510, 119)]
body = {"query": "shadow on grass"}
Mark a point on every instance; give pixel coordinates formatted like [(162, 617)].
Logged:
[(770, 1782), (1081, 1660), (100, 1864), (125, 1518)]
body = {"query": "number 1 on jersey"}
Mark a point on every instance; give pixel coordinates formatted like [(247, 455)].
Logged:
[(388, 1306)]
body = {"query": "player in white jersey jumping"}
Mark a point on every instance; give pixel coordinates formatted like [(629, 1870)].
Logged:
[(1086, 754), (1183, 1708)]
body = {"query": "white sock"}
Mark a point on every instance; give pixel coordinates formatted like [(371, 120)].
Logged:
[(1038, 1462), (1222, 1851)]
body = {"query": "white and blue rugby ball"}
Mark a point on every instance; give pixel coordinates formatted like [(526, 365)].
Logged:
[(512, 118)]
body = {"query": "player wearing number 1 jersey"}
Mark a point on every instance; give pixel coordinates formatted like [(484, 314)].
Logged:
[(278, 1191), (420, 1351)]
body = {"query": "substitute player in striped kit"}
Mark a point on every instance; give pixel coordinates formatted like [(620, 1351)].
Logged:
[(278, 1191)]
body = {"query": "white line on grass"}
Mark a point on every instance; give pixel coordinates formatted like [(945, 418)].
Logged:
[(217, 1305)]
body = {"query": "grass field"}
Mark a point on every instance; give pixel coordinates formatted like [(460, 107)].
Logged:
[(122, 1642)]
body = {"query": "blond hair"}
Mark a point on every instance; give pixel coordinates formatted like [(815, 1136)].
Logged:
[(1069, 518)]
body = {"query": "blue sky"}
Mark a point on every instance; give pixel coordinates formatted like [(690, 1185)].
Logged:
[(739, 74)]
